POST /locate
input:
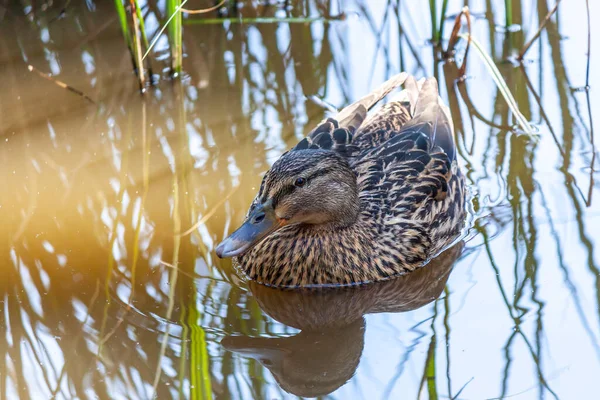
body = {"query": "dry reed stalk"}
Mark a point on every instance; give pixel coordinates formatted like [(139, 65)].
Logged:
[(61, 84), (454, 36), (539, 31)]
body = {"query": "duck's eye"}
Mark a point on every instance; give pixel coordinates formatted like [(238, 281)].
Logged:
[(300, 182)]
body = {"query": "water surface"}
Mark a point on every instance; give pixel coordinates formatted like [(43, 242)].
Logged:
[(107, 292)]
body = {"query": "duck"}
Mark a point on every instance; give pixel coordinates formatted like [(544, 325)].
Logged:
[(329, 325), (368, 195)]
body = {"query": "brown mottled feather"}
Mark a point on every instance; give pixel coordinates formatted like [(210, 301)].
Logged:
[(410, 189)]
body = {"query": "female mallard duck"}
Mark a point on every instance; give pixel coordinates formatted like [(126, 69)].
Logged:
[(360, 199)]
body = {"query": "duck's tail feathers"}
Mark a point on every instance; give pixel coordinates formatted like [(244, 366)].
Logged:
[(352, 116), (432, 117)]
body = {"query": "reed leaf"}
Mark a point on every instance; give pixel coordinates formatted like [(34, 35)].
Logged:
[(157, 36), (175, 35), (138, 45), (502, 86), (138, 12), (122, 13), (508, 13), (199, 358), (433, 16), (440, 33)]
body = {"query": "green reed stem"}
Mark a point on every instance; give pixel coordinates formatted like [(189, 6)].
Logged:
[(138, 12), (199, 360), (185, 332), (175, 35), (138, 47), (508, 12), (122, 13), (173, 14), (430, 371), (433, 15), (502, 86), (440, 34), (134, 38)]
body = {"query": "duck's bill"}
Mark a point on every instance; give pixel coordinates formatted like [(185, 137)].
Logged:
[(259, 224)]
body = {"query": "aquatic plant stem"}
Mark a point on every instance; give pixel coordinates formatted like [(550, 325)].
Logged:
[(122, 14), (138, 46), (440, 34), (146, 44), (61, 84), (539, 31), (264, 20), (508, 13), (204, 10), (455, 36), (502, 86), (589, 105), (184, 345), (140, 17), (433, 16), (428, 377), (589, 45), (157, 36), (199, 358), (175, 36)]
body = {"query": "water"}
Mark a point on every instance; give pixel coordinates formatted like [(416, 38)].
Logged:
[(105, 293)]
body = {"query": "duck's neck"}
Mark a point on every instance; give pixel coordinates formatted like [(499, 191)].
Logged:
[(303, 254)]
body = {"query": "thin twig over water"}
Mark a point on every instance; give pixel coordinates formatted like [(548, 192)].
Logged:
[(61, 84), (502, 86), (454, 36), (539, 31), (589, 106), (589, 44), (157, 36), (210, 213), (204, 10), (265, 20)]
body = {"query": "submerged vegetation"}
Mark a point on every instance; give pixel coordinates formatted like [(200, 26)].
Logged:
[(110, 286)]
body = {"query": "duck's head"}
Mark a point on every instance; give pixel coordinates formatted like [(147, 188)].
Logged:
[(313, 187)]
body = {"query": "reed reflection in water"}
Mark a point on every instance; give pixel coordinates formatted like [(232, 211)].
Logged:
[(106, 292)]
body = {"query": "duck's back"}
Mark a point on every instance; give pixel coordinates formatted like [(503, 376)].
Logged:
[(405, 160)]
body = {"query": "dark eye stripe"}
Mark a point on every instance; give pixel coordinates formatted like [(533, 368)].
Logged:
[(288, 189)]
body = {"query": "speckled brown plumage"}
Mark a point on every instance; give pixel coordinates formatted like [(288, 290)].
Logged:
[(410, 194)]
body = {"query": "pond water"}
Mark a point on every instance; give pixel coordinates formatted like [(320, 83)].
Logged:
[(111, 209)]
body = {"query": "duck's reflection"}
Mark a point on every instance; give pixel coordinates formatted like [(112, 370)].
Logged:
[(325, 354)]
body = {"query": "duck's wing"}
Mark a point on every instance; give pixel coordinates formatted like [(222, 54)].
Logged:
[(386, 122), (401, 176), (336, 133), (432, 118)]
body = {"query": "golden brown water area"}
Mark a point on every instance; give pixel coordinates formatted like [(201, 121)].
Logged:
[(110, 211)]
